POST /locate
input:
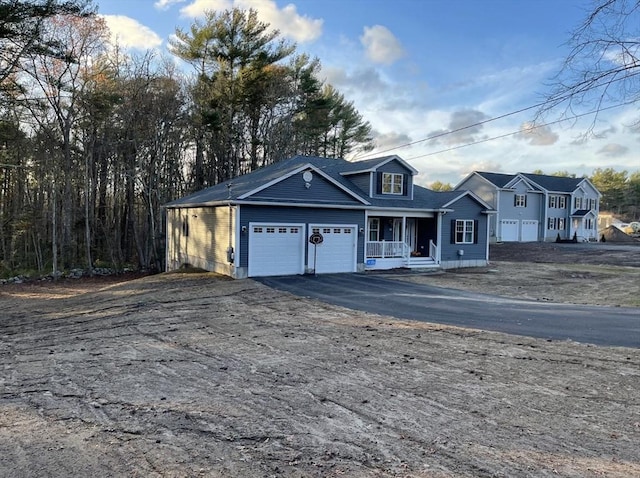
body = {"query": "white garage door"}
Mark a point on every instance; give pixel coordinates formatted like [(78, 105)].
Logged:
[(337, 253), (509, 230), (276, 249), (529, 231)]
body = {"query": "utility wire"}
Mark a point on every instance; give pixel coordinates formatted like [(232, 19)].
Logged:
[(457, 130), (485, 140), (557, 101)]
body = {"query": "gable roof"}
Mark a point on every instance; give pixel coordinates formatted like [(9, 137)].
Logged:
[(299, 169), (454, 196), (240, 189), (560, 184), (497, 179), (554, 183), (369, 165)]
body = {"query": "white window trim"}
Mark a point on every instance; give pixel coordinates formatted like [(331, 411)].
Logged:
[(467, 228), (521, 200), (562, 202), (392, 183)]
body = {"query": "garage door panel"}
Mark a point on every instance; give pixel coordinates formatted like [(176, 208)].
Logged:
[(276, 249), (509, 230), (529, 231), (337, 252)]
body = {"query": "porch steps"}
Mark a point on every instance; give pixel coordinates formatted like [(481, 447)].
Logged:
[(418, 262)]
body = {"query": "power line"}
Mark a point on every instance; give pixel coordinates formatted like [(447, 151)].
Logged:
[(485, 140), (557, 101), (445, 133)]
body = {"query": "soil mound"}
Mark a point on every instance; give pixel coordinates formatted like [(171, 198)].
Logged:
[(613, 234)]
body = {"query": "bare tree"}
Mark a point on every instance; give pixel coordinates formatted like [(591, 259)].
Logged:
[(603, 66)]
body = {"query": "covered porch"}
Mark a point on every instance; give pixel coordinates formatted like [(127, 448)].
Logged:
[(394, 241), (584, 225)]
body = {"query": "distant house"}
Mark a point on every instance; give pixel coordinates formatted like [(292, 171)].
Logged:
[(537, 207), (320, 215)]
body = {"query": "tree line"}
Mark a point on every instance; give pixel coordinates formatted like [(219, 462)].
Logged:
[(94, 140)]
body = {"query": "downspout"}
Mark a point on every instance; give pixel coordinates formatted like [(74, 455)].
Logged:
[(440, 241), (488, 234), (230, 251), (496, 224), (166, 240), (545, 210)]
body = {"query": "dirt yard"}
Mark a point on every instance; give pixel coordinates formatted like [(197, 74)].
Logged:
[(589, 274), (180, 375)]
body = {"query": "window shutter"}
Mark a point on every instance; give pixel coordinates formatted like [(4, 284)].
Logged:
[(475, 231), (515, 200), (378, 183), (405, 184), (453, 231), (525, 200)]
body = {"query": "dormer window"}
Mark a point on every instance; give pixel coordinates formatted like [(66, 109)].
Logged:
[(392, 183)]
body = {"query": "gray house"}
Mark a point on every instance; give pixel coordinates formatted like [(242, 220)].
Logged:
[(537, 207), (321, 215)]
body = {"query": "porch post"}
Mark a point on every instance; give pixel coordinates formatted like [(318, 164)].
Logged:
[(404, 229)]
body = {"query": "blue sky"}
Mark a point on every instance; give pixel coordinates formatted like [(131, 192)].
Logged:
[(419, 68)]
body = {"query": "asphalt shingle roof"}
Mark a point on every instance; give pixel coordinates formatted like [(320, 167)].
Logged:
[(554, 183), (550, 183), (423, 198)]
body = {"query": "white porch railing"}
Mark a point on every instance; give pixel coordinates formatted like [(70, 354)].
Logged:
[(386, 249), (433, 250)]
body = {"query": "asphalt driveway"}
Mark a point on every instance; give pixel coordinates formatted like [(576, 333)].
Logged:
[(613, 326)]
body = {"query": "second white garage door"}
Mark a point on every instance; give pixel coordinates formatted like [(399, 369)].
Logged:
[(529, 230), (337, 253), (276, 249)]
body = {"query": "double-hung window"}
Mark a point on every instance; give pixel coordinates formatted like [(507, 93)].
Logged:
[(464, 231), (520, 200), (392, 183)]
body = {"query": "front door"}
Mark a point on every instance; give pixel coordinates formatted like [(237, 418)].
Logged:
[(397, 229), (411, 234)]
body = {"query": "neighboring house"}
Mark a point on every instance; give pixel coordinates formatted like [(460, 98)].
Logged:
[(537, 207), (320, 215)]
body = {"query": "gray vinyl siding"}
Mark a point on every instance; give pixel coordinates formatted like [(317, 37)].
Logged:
[(294, 189), (362, 181), (533, 209), (394, 167), (556, 212), (298, 215), (468, 209), (481, 188)]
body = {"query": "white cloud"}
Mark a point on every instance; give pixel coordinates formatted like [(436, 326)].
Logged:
[(537, 135), (613, 150), (390, 140), (291, 24), (466, 121), (129, 33), (165, 4), (198, 7), (381, 45)]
